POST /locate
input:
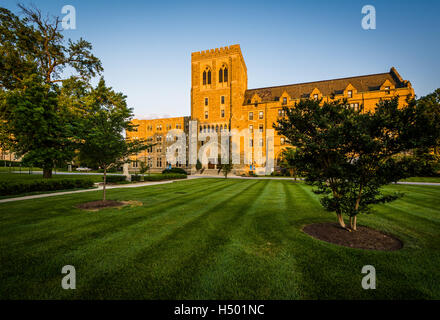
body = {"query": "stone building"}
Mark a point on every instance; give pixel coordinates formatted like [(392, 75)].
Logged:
[(221, 101)]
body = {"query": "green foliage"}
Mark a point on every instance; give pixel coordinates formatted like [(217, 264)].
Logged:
[(166, 176), (198, 165), (425, 163), (41, 127), (115, 178), (107, 117), (290, 161), (174, 170), (14, 188), (39, 109), (350, 154)]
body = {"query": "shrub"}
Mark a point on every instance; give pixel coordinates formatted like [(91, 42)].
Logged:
[(7, 163), (8, 188), (174, 170), (115, 178), (135, 177), (165, 176)]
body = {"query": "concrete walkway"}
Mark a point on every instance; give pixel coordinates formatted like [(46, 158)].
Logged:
[(45, 195), (419, 183)]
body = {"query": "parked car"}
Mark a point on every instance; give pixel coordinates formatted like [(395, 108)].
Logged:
[(83, 169)]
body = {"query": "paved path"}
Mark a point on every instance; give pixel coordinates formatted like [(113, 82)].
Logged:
[(419, 183), (44, 195), (144, 184), (68, 173)]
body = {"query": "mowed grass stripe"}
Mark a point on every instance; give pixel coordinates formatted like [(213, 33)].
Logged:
[(75, 238), (181, 252)]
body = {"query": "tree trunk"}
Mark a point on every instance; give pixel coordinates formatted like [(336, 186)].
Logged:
[(353, 223), (47, 173), (103, 186), (341, 220)]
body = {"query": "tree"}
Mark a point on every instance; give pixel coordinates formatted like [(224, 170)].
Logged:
[(289, 161), (104, 144), (144, 167), (39, 70), (349, 154), (225, 168), (432, 107), (39, 127)]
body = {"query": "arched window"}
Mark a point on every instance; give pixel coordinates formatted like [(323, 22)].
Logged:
[(204, 128), (200, 128), (221, 128), (223, 74), (207, 76), (216, 128)]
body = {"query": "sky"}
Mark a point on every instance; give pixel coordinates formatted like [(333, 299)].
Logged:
[(145, 46)]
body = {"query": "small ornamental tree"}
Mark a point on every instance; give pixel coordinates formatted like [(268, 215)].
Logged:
[(348, 154), (107, 118), (289, 161), (144, 167)]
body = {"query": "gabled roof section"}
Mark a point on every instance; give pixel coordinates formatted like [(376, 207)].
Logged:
[(364, 83)]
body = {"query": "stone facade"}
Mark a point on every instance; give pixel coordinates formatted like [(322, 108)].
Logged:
[(220, 100)]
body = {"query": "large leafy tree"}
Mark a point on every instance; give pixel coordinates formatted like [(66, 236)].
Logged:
[(45, 77), (38, 126), (348, 154), (103, 130)]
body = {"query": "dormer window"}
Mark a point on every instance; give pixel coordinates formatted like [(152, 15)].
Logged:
[(284, 100), (350, 93), (387, 90), (315, 96)]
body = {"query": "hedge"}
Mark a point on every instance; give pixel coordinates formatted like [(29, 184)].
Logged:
[(8, 188), (174, 170), (159, 177), (114, 179)]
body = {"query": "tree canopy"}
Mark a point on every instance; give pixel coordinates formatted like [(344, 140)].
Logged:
[(349, 154)]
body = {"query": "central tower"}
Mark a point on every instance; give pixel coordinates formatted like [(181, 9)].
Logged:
[(218, 85)]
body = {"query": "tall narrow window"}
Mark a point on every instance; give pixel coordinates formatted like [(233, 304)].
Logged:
[(225, 75), (206, 101), (220, 75), (209, 77), (251, 116), (261, 115), (204, 77), (206, 115), (222, 113), (222, 99), (350, 93)]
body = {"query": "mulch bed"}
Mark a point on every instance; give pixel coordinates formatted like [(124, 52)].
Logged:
[(363, 238), (96, 205)]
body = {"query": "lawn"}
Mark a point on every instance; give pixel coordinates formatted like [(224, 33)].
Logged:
[(213, 239)]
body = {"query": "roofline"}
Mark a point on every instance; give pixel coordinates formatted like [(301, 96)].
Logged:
[(296, 84)]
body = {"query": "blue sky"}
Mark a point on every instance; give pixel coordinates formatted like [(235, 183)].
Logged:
[(145, 47)]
